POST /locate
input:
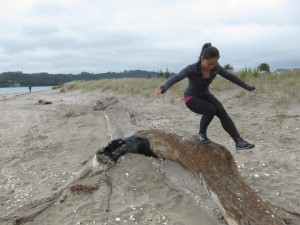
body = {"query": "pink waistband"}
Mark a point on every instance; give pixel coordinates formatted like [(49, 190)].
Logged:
[(187, 98)]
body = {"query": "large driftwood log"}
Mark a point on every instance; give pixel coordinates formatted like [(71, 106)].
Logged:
[(212, 164), (216, 169)]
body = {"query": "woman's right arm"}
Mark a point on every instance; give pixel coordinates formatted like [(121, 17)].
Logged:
[(174, 79)]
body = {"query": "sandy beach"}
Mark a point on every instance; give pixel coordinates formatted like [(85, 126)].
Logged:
[(42, 146)]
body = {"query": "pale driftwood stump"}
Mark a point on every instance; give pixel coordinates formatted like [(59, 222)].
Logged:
[(212, 164), (102, 104)]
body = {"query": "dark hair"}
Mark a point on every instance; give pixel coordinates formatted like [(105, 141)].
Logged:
[(208, 51)]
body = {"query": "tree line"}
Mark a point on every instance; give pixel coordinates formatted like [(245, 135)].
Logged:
[(262, 68), (18, 78)]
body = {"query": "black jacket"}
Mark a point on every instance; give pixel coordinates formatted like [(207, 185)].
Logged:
[(198, 86)]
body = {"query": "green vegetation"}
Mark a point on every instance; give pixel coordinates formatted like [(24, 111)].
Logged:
[(284, 88), (162, 74), (243, 73), (228, 67), (264, 67), (131, 86)]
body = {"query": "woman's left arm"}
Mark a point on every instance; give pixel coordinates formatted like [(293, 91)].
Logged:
[(234, 79)]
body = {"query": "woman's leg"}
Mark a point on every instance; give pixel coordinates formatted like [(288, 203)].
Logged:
[(209, 106), (226, 121), (201, 106)]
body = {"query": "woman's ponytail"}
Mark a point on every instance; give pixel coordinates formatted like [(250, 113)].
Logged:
[(204, 47), (208, 52)]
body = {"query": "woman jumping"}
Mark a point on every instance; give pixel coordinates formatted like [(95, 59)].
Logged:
[(198, 98)]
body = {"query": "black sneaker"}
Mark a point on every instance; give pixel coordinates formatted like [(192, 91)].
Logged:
[(241, 144), (203, 138)]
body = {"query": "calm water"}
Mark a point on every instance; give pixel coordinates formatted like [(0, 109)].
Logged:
[(11, 90)]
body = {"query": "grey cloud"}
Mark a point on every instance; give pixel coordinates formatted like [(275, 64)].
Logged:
[(70, 54), (36, 30), (47, 8), (55, 38), (52, 39)]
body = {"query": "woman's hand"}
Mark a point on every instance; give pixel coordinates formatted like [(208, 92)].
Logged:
[(255, 90), (158, 93)]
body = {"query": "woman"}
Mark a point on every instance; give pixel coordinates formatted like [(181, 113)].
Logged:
[(198, 98)]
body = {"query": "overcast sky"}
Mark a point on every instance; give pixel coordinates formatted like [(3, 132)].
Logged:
[(70, 36)]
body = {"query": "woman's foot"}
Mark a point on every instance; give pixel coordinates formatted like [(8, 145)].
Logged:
[(203, 138), (241, 144)]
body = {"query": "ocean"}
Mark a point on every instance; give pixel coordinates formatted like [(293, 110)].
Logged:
[(12, 90)]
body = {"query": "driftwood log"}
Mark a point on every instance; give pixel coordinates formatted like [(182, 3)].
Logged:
[(212, 164), (44, 102), (216, 169)]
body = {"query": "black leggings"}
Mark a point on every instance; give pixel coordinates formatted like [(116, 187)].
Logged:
[(210, 106)]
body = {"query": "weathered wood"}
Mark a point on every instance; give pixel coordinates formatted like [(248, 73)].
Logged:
[(102, 104), (107, 181), (28, 211), (216, 169), (44, 102), (212, 164), (119, 122)]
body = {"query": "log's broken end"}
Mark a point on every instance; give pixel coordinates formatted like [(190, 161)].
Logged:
[(119, 147)]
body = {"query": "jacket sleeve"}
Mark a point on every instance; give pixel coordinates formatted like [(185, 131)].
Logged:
[(175, 79), (234, 79)]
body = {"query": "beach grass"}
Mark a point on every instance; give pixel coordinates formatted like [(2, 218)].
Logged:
[(284, 87), (132, 86)]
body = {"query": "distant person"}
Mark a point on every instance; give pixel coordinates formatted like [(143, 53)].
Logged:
[(30, 88), (198, 98)]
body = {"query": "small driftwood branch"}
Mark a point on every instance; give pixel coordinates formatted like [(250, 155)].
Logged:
[(44, 102), (107, 181), (28, 211)]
